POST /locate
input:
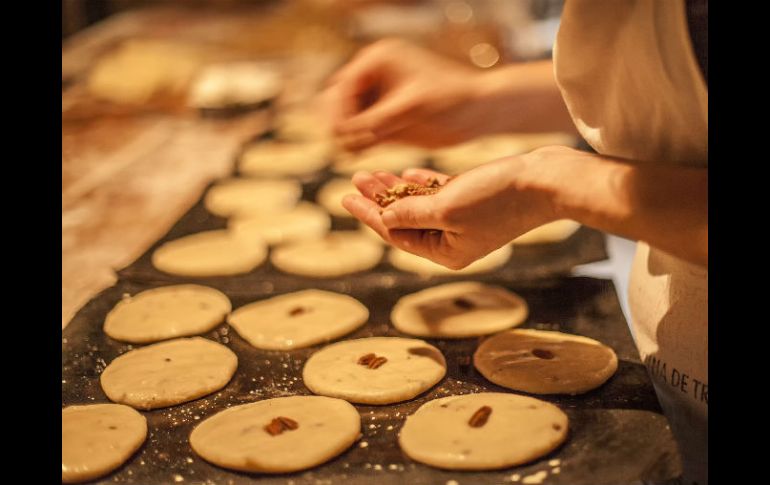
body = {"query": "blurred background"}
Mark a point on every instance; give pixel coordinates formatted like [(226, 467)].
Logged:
[(141, 138)]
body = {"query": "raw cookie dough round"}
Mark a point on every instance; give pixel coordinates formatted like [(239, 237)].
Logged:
[(298, 319), (465, 156), (98, 438), (459, 310), (169, 373), (210, 253), (302, 124), (412, 367), (139, 70), (406, 261), (390, 157), (276, 158), (236, 438), (236, 84), (519, 429), (541, 362), (166, 312), (331, 194), (240, 196), (339, 253), (552, 232), (305, 221)]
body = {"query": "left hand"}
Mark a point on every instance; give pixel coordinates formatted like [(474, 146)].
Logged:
[(471, 216)]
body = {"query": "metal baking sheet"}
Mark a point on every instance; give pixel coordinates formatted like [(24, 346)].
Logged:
[(617, 432)]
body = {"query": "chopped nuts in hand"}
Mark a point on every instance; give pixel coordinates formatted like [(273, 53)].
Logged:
[(405, 190)]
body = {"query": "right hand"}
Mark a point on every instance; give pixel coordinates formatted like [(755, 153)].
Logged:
[(395, 91)]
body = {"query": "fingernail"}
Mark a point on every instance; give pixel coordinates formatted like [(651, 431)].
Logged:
[(389, 219)]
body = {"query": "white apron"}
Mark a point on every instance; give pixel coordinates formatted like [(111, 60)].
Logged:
[(633, 86)]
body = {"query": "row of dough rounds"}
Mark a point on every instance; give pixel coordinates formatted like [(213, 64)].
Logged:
[(307, 248), (288, 434), (308, 317), (474, 432)]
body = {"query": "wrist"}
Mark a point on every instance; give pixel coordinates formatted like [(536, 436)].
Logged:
[(561, 178), (578, 185)]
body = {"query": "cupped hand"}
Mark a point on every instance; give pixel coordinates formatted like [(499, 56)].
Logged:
[(472, 215), (396, 91)]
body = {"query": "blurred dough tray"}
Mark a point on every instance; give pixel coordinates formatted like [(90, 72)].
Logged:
[(526, 263)]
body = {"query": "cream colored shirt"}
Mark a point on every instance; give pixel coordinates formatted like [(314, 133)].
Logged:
[(633, 86)]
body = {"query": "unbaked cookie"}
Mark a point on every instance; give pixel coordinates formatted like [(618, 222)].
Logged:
[(298, 319), (232, 85), (280, 435), (98, 438), (552, 232), (283, 158), (406, 261), (168, 373), (484, 431), (459, 310), (139, 70), (305, 221), (302, 124), (541, 362), (375, 370), (210, 253), (339, 253), (331, 194), (166, 312), (390, 157), (239, 196)]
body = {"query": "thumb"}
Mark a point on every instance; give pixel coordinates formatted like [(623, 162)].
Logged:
[(415, 212)]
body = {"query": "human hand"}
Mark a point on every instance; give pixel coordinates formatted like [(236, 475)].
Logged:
[(471, 216), (396, 91)]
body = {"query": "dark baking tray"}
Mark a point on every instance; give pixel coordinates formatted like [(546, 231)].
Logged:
[(617, 432)]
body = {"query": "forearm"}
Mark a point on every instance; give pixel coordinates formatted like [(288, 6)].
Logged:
[(665, 206), (523, 98)]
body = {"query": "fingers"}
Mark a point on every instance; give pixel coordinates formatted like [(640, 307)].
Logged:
[(355, 142), (418, 212), (388, 179), (386, 116), (366, 211), (368, 184), (416, 241), (423, 175), (349, 87)]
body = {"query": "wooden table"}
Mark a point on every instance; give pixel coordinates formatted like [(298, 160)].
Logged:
[(128, 175)]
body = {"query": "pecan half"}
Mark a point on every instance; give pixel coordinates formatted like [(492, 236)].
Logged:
[(480, 417), (279, 425), (365, 359), (371, 361), (298, 310), (288, 423), (377, 362)]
